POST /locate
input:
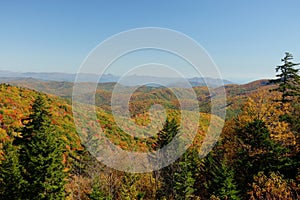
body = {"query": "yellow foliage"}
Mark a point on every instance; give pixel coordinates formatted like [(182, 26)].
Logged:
[(271, 187), (262, 106), (3, 138)]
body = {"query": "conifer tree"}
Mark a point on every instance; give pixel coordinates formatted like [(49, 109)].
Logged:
[(41, 155), (128, 189), (11, 180), (224, 183), (258, 152), (220, 179), (167, 174), (288, 78), (185, 175)]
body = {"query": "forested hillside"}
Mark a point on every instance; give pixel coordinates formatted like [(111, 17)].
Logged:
[(20, 108), (43, 155), (145, 96)]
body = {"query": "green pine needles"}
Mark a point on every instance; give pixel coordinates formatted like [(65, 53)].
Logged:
[(34, 165), (288, 78)]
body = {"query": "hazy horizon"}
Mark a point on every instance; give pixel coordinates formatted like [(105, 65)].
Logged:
[(233, 80), (246, 40)]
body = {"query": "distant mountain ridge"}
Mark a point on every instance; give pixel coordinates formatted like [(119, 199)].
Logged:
[(57, 76), (129, 81)]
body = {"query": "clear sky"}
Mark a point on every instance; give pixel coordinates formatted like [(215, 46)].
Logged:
[(246, 39)]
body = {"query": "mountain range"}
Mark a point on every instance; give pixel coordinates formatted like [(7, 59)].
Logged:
[(132, 80)]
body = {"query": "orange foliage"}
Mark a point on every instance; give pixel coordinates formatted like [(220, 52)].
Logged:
[(262, 105)]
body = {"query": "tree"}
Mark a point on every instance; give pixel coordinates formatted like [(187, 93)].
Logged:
[(177, 181), (41, 155), (258, 152), (167, 174), (273, 186), (220, 181), (288, 78), (224, 182), (185, 176), (129, 188), (289, 86), (11, 180)]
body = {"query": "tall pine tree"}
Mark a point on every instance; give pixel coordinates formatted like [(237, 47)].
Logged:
[(219, 176), (258, 152), (167, 174), (288, 78), (41, 155), (185, 175), (11, 180)]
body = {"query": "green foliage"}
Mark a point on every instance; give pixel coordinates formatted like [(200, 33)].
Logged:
[(41, 155), (185, 175), (288, 78), (295, 126), (167, 174), (32, 168), (11, 180), (177, 181), (224, 183), (219, 177), (98, 193), (129, 189), (258, 152), (169, 131), (289, 86)]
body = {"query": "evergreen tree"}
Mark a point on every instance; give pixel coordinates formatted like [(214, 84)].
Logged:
[(97, 190), (11, 180), (224, 183), (129, 190), (178, 179), (258, 152), (169, 131), (185, 176), (220, 179), (41, 155), (98, 194), (289, 86), (288, 78), (295, 127), (167, 174)]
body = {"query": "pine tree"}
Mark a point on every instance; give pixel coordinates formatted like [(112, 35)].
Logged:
[(185, 176), (288, 78), (258, 152), (224, 183), (41, 155), (167, 174), (289, 86), (220, 177), (129, 189), (11, 180), (165, 136)]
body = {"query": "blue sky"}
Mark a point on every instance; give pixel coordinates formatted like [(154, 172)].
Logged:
[(246, 39)]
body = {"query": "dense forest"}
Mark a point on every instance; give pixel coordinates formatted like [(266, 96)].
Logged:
[(256, 156)]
